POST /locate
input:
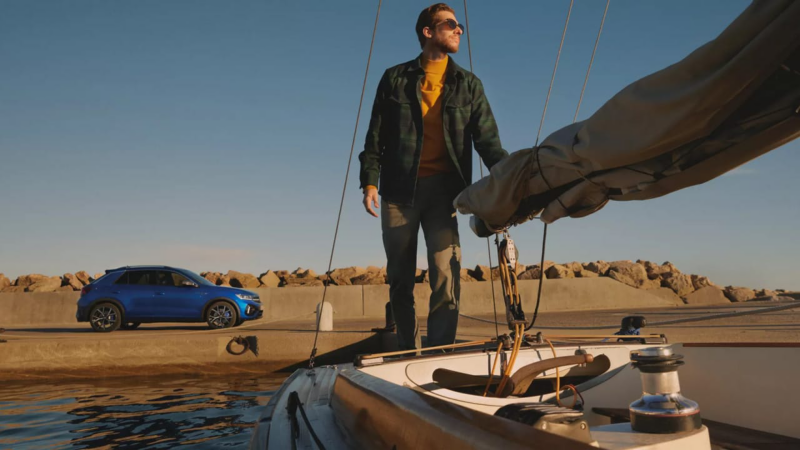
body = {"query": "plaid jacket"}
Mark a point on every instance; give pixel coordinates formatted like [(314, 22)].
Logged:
[(394, 140)]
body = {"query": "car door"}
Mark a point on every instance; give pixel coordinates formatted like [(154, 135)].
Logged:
[(180, 301), (135, 291)]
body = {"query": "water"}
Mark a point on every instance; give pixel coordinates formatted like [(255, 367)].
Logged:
[(134, 413)]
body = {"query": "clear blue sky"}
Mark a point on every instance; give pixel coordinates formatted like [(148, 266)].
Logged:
[(214, 135)]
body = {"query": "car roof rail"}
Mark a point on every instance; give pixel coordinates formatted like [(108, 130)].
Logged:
[(138, 267)]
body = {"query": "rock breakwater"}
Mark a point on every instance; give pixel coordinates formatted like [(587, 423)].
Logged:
[(646, 275)]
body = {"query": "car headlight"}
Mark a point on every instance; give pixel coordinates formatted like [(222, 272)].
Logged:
[(253, 298)]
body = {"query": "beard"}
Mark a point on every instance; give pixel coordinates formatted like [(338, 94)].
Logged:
[(447, 46)]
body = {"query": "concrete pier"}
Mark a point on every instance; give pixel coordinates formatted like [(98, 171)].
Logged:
[(45, 342), (354, 302)]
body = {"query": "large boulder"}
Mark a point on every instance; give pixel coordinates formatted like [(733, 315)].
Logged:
[(658, 271), (269, 279), (466, 277), (12, 289), (212, 277), (480, 273), (4, 282), (739, 294), (559, 271), (534, 272), (631, 274), (294, 281), (680, 283), (531, 273), (50, 284), (598, 267), (72, 281), (304, 273), (343, 277), (765, 293), (370, 277), (242, 280), (707, 295), (98, 275), (83, 277), (653, 270), (283, 274), (30, 279), (579, 271), (699, 282)]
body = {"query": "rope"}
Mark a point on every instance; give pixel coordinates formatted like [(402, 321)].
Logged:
[(558, 376), (293, 406), (480, 165), (344, 188), (541, 277)]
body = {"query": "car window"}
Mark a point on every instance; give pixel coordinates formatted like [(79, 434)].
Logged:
[(198, 279), (123, 279), (178, 279), (167, 278), (139, 277)]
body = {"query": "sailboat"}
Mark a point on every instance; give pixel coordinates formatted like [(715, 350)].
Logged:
[(729, 101)]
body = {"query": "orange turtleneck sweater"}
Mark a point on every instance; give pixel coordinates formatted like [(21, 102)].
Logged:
[(434, 158)]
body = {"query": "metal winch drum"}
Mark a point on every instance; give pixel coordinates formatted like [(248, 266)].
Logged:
[(662, 408)]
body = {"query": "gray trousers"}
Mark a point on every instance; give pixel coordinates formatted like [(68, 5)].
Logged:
[(433, 210)]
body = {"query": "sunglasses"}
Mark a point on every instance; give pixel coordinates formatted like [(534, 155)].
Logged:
[(452, 24)]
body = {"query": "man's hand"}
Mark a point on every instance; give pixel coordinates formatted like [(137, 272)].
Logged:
[(371, 199)]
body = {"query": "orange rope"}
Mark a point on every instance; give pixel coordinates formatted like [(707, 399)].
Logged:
[(558, 374), (558, 382)]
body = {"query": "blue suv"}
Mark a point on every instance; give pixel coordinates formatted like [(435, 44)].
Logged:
[(129, 296)]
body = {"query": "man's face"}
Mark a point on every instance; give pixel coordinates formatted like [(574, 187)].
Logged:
[(443, 37)]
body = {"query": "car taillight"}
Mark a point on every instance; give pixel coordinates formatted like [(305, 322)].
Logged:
[(86, 290)]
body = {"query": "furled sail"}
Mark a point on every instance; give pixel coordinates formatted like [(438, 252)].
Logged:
[(731, 100)]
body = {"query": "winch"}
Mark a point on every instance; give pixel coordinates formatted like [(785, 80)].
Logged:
[(662, 408)]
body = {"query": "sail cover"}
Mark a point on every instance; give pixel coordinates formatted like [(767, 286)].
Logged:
[(729, 101)]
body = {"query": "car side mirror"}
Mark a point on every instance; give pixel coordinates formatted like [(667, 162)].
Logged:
[(189, 283)]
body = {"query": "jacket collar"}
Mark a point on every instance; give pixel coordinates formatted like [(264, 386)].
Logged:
[(453, 69)]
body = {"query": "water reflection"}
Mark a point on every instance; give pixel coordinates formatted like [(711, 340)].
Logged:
[(133, 413)]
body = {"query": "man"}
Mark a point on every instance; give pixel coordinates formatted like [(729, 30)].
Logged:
[(427, 114)]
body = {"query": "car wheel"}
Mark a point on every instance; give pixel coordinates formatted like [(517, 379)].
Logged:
[(221, 315), (239, 322), (105, 317), (130, 325)]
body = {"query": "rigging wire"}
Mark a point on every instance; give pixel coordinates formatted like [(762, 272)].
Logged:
[(574, 119), (538, 134), (344, 188), (553, 77), (480, 165), (591, 61)]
